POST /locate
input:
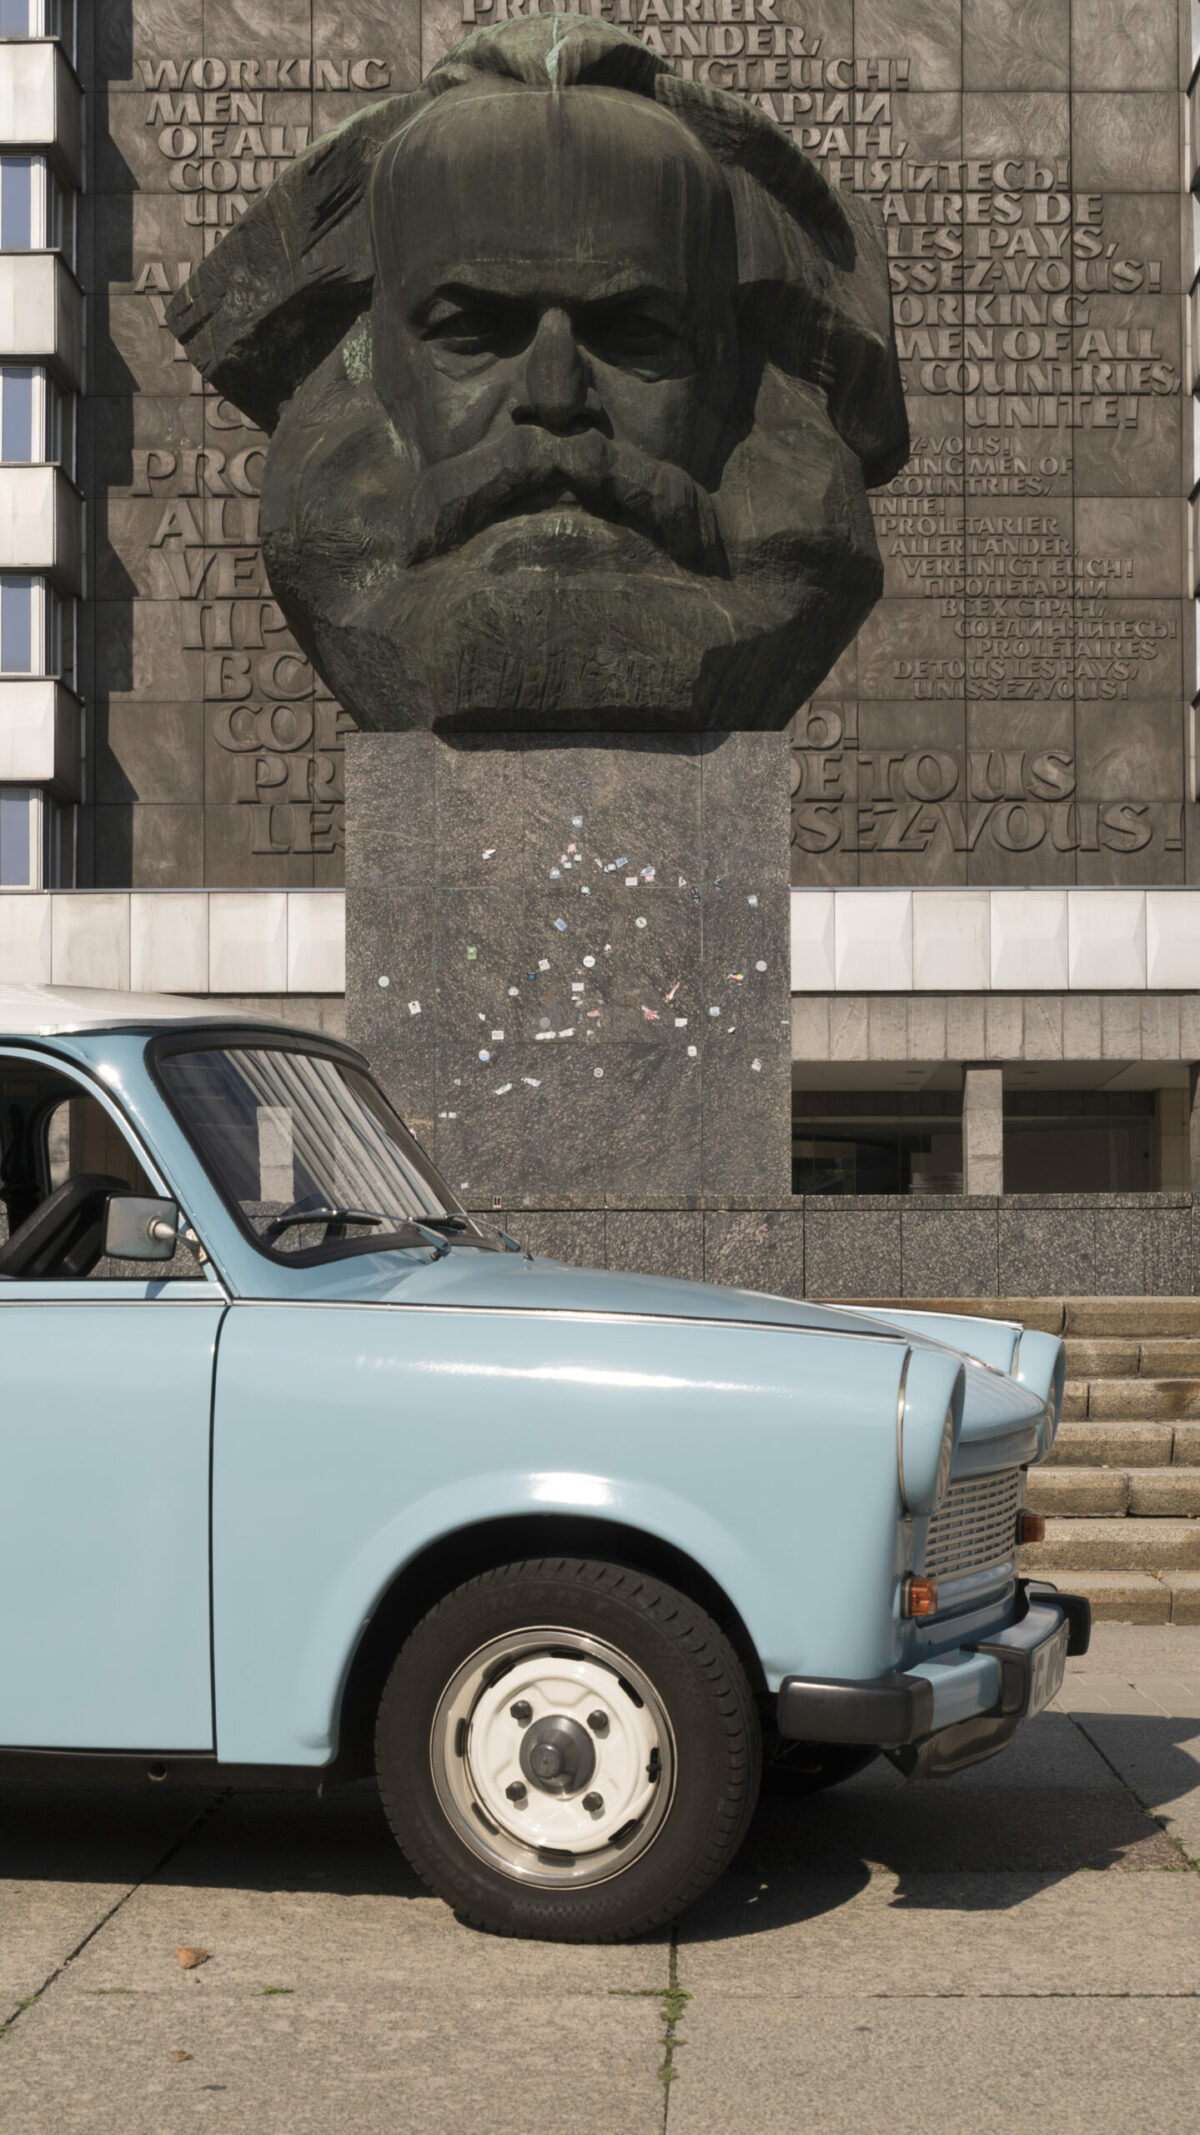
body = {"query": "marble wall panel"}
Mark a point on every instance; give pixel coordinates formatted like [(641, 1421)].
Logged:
[(656, 1242), (1011, 144), (1016, 44), (756, 1250), (926, 32), (853, 1252), (951, 1252), (149, 753), (1118, 42)]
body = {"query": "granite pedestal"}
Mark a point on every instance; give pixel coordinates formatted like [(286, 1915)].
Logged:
[(568, 961)]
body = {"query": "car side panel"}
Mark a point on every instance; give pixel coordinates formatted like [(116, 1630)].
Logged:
[(105, 1417), (349, 1438)]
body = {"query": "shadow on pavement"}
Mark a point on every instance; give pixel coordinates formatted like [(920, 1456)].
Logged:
[(250, 1840), (993, 1841)]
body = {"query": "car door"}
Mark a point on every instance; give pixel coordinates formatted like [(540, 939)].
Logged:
[(105, 1411)]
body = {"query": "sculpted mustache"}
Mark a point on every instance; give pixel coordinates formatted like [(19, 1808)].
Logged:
[(456, 499)]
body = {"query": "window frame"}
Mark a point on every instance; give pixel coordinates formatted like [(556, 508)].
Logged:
[(51, 207), (245, 1037), (35, 831), (17, 1288), (50, 20), (46, 618), (51, 420)]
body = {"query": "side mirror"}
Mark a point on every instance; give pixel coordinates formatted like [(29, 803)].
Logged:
[(140, 1229)]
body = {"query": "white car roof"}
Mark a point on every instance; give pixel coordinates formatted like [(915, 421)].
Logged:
[(41, 1011)]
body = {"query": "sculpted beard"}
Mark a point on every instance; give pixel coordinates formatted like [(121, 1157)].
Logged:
[(385, 569), (531, 470)]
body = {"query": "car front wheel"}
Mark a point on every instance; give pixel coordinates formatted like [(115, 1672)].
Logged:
[(568, 1749)]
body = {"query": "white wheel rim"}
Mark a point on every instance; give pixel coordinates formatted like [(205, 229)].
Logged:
[(574, 1784)]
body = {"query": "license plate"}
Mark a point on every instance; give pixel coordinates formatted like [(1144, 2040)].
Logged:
[(1049, 1666)]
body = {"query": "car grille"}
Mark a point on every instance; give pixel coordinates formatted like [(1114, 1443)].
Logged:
[(975, 1524)]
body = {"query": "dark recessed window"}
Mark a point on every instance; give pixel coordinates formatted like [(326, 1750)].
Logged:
[(882, 1142)]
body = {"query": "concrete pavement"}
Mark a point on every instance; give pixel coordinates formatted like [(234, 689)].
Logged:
[(1013, 1949)]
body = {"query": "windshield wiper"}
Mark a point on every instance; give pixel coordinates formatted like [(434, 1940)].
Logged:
[(279, 1224), (430, 1229)]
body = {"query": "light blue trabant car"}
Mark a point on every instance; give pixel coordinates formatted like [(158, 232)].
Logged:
[(307, 1473)]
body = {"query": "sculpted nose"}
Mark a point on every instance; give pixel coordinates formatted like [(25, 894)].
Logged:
[(556, 390)]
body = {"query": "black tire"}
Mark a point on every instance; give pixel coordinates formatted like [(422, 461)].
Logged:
[(809, 1767), (694, 1794)]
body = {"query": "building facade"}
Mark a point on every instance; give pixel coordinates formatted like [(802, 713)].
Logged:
[(995, 828)]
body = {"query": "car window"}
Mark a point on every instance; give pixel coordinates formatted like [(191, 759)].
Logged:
[(54, 1137), (308, 1153)]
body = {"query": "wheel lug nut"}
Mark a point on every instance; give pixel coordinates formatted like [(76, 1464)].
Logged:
[(516, 1790), (593, 1801), (522, 1712), (598, 1722)]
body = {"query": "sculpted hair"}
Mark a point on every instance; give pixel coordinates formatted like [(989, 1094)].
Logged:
[(291, 280)]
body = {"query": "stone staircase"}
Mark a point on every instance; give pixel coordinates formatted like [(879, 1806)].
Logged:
[(1121, 1490)]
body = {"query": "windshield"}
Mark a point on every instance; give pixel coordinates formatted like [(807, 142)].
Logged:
[(309, 1153)]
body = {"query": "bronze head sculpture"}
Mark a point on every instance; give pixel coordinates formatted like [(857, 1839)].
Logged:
[(576, 376)]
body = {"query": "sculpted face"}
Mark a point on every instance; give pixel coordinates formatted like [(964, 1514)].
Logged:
[(558, 347), (575, 374)]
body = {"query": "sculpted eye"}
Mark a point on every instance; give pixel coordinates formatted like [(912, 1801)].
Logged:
[(472, 329), (638, 338)]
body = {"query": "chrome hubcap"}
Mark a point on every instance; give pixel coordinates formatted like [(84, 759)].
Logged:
[(553, 1757)]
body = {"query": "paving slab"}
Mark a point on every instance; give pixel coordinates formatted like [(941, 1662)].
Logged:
[(909, 2065), (291, 1890), (974, 1935), (878, 1928), (1151, 1649), (1048, 1752), (935, 1829), (67, 1856), (364, 2059), (1136, 1697)]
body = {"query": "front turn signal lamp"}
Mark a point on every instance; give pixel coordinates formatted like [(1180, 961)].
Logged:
[(1031, 1527), (918, 1595)]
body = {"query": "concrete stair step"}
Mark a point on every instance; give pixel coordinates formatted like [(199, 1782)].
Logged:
[(1126, 1442), (1121, 1357), (1113, 1545), (1137, 1597), (1093, 1318), (1140, 1316), (1047, 1314), (1164, 1357), (1107, 1444), (1096, 1357), (1128, 1399), (1112, 1493)]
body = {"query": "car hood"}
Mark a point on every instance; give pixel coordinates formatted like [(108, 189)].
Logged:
[(509, 1282), (467, 1280)]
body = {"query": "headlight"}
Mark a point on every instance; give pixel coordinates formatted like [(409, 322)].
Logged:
[(1039, 1363), (928, 1415)]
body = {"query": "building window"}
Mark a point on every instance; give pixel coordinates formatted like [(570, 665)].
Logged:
[(31, 626), (19, 838), (878, 1142), (1078, 1141), (37, 840), (36, 18), (36, 214), (36, 423)]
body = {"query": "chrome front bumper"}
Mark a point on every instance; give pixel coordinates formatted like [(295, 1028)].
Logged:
[(957, 1709)]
